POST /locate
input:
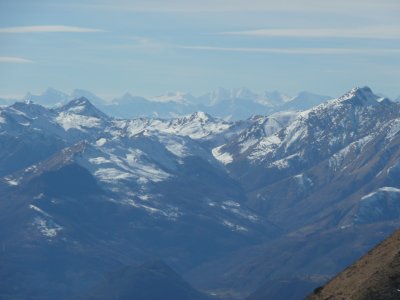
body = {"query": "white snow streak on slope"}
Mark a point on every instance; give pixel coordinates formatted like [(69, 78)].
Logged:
[(100, 142), (47, 228), (247, 144), (394, 129), (224, 158), (99, 160), (265, 146), (39, 210), (337, 159), (112, 175), (390, 190), (11, 182), (233, 226), (132, 165), (175, 145), (68, 121)]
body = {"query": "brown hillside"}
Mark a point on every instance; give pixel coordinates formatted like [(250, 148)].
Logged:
[(376, 276)]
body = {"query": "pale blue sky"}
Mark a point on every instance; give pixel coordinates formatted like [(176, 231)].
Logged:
[(151, 47)]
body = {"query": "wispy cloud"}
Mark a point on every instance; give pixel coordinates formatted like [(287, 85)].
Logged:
[(189, 6), (366, 32), (47, 29), (310, 51), (13, 59)]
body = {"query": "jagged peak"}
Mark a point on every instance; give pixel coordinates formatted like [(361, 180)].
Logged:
[(47, 92), (77, 93), (361, 96), (82, 106), (199, 115), (27, 106), (243, 93), (177, 96)]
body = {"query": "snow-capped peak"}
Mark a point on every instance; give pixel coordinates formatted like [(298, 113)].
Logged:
[(80, 114), (82, 106), (243, 93), (219, 94), (78, 93), (361, 96), (199, 116), (49, 97), (179, 97), (273, 98)]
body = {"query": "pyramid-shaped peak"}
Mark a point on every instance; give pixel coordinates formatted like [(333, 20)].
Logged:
[(82, 106), (359, 92), (361, 96), (27, 105), (200, 115), (53, 91), (80, 101), (243, 93)]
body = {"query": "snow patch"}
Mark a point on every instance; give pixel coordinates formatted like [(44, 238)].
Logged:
[(47, 228), (99, 160), (224, 158), (73, 121), (171, 212), (101, 142), (38, 197), (112, 175), (11, 182), (39, 210), (234, 227), (264, 147)]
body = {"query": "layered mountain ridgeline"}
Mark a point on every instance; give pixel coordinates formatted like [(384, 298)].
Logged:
[(375, 276), (82, 194), (328, 178), (149, 281), (235, 104), (272, 203)]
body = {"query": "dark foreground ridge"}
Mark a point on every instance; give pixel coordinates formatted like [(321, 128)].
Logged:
[(375, 276)]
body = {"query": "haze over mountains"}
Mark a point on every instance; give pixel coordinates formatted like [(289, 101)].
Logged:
[(267, 207), (233, 104)]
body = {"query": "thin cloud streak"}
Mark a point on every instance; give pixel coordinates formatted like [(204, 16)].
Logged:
[(185, 6), (363, 33), (13, 59), (48, 29), (309, 51)]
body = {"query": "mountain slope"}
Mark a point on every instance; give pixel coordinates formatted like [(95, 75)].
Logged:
[(150, 281), (113, 192), (329, 179), (273, 202), (375, 276)]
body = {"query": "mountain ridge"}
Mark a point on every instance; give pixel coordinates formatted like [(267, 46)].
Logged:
[(235, 104), (200, 192), (376, 275)]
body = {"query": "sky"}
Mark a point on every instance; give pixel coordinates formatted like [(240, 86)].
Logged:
[(150, 47)]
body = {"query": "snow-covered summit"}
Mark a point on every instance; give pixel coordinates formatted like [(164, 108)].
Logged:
[(197, 116), (50, 97), (361, 96), (318, 132), (82, 106), (179, 97)]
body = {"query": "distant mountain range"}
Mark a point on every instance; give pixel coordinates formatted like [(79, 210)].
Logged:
[(268, 207), (233, 104)]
